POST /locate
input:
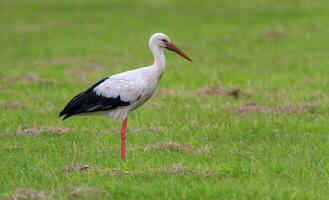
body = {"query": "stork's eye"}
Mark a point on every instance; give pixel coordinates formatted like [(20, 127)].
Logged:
[(164, 40)]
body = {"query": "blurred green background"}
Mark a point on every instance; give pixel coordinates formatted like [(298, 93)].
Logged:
[(193, 140)]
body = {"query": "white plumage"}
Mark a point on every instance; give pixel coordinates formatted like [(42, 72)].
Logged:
[(119, 94), (135, 86)]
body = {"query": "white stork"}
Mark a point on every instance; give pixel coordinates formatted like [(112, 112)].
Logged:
[(119, 94)]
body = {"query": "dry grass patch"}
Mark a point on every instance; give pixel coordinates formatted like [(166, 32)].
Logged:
[(77, 167), (252, 107), (218, 90), (73, 192), (177, 147), (249, 107), (84, 192), (290, 108), (215, 91), (11, 106), (106, 131), (83, 167), (151, 130), (275, 33), (28, 194), (246, 154), (39, 130), (13, 148), (115, 171), (163, 92), (178, 168)]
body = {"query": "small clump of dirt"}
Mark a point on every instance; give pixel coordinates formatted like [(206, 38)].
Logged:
[(248, 154), (218, 90), (115, 171), (178, 168), (11, 106), (177, 147), (206, 174), (253, 107), (26, 194), (40, 130), (83, 167), (77, 167), (163, 92), (150, 130), (13, 148), (80, 192), (290, 108), (249, 107), (107, 131), (275, 33)]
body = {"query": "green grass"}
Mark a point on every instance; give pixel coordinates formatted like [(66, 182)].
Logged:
[(276, 51)]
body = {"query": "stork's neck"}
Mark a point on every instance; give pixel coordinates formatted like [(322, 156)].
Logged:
[(159, 58)]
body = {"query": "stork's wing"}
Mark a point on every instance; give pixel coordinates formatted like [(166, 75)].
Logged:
[(128, 85), (107, 94)]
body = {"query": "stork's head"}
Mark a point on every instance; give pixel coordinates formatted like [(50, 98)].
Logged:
[(163, 41)]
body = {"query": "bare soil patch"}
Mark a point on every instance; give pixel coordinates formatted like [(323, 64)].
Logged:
[(275, 33), (83, 192), (172, 169), (290, 108), (218, 90), (163, 92), (151, 130), (39, 130), (77, 167), (11, 106), (115, 171), (107, 131), (215, 91), (84, 167), (253, 107), (13, 148), (28, 194), (248, 154), (178, 168), (177, 147)]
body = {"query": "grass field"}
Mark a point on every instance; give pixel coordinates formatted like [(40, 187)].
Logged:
[(248, 119)]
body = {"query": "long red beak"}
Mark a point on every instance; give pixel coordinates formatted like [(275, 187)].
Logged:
[(170, 46)]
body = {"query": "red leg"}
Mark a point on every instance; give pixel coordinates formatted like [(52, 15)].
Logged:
[(123, 138)]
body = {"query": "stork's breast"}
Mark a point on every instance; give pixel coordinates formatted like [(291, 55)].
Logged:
[(146, 94)]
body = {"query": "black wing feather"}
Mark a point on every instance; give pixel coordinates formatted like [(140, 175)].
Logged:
[(89, 101)]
